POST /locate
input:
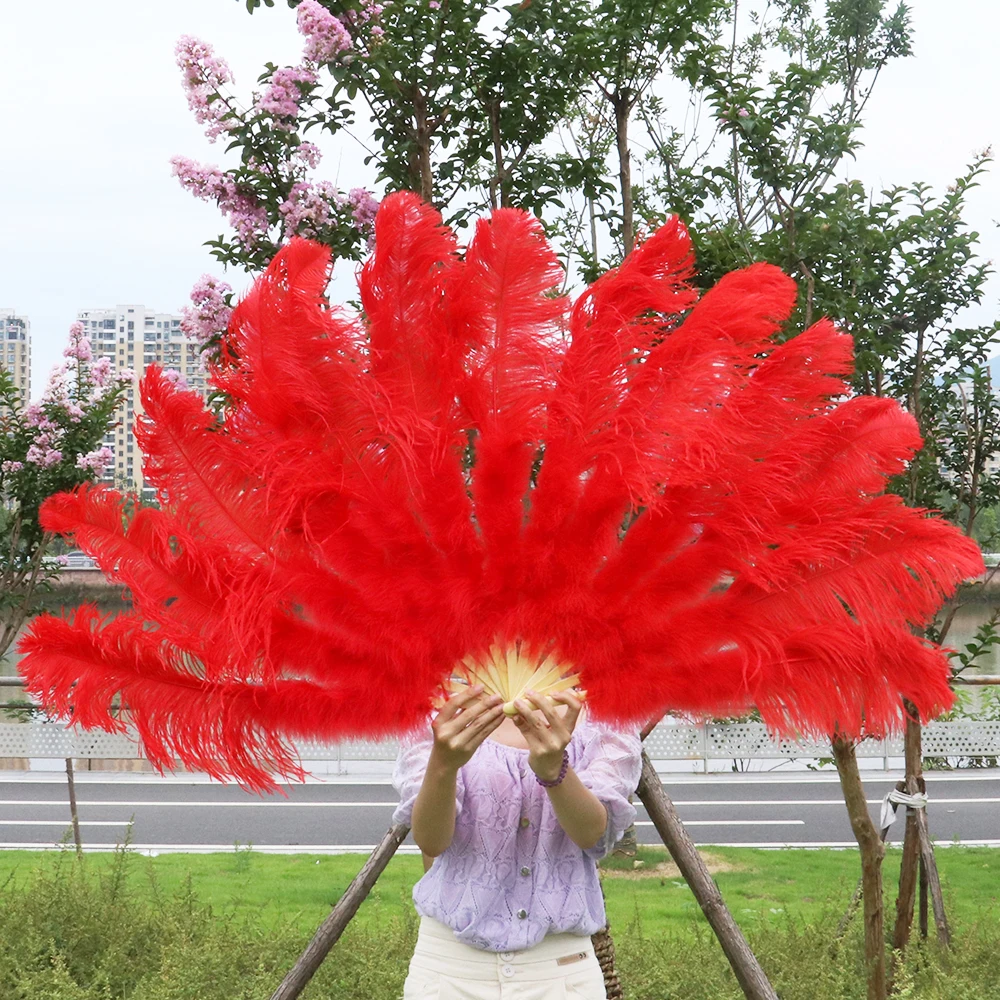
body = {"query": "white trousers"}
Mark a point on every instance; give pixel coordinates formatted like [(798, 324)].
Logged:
[(559, 967)]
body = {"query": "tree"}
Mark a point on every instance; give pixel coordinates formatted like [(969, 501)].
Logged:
[(470, 104), (47, 447)]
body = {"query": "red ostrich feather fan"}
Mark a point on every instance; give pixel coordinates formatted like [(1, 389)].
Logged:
[(641, 487)]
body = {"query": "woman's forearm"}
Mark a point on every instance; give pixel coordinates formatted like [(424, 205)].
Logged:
[(580, 813), (433, 821)]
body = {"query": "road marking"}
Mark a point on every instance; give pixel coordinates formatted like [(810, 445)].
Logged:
[(674, 779), (680, 803), (934, 800), (749, 778), (83, 778), (734, 822), (214, 805), (62, 822), (326, 849), (212, 848), (830, 844)]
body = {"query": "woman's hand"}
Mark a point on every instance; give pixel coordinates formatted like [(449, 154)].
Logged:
[(580, 813), (465, 720), (547, 738)]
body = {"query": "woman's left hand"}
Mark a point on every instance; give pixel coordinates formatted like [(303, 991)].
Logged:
[(548, 737)]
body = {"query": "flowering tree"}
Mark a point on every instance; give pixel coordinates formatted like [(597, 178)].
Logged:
[(273, 193), (49, 446)]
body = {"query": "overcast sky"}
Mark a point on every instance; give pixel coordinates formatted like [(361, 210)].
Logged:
[(93, 111)]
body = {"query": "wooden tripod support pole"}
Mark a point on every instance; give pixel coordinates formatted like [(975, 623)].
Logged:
[(330, 930), (918, 869), (749, 974)]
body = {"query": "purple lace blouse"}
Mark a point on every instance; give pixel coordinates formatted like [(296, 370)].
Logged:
[(511, 875)]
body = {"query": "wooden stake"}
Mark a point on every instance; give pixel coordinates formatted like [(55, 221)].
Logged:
[(917, 845), (71, 786), (923, 899), (931, 881), (330, 930), (749, 974)]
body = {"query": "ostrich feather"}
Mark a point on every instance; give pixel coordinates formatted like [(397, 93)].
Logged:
[(643, 490)]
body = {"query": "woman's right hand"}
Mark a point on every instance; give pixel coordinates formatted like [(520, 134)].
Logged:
[(465, 720)]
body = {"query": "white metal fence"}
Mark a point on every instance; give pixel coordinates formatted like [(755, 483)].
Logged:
[(667, 742)]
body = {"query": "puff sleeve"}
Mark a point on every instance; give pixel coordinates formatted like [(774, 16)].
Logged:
[(609, 765), (408, 776)]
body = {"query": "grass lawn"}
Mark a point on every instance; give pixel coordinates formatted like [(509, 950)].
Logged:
[(228, 926), (759, 886)]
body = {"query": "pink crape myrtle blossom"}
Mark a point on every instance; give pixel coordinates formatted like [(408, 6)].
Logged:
[(79, 344), (205, 75), (308, 154), (100, 372), (206, 183), (246, 215), (310, 208), (364, 205), (284, 93), (43, 456), (96, 461), (57, 389), (210, 315), (326, 36), (175, 377), (32, 414), (367, 11), (125, 375), (62, 560), (11, 466)]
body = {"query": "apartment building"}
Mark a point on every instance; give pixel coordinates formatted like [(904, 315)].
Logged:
[(16, 347), (134, 337)]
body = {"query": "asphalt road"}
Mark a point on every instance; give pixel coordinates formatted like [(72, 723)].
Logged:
[(338, 815)]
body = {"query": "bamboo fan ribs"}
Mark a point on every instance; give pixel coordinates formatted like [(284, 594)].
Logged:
[(642, 493), (510, 671)]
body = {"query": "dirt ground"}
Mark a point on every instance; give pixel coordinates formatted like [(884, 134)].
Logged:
[(667, 869)]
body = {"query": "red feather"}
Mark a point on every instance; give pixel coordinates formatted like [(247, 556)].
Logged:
[(648, 484)]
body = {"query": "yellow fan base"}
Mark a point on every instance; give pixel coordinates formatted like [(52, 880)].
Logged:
[(511, 670)]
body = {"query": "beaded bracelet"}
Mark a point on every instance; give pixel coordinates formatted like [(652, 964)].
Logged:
[(562, 773)]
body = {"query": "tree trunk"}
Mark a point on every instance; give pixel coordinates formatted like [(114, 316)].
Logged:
[(420, 163), (749, 974), (331, 928), (499, 195), (622, 103), (908, 874), (872, 852)]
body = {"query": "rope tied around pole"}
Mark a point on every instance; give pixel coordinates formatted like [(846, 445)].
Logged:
[(895, 799)]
